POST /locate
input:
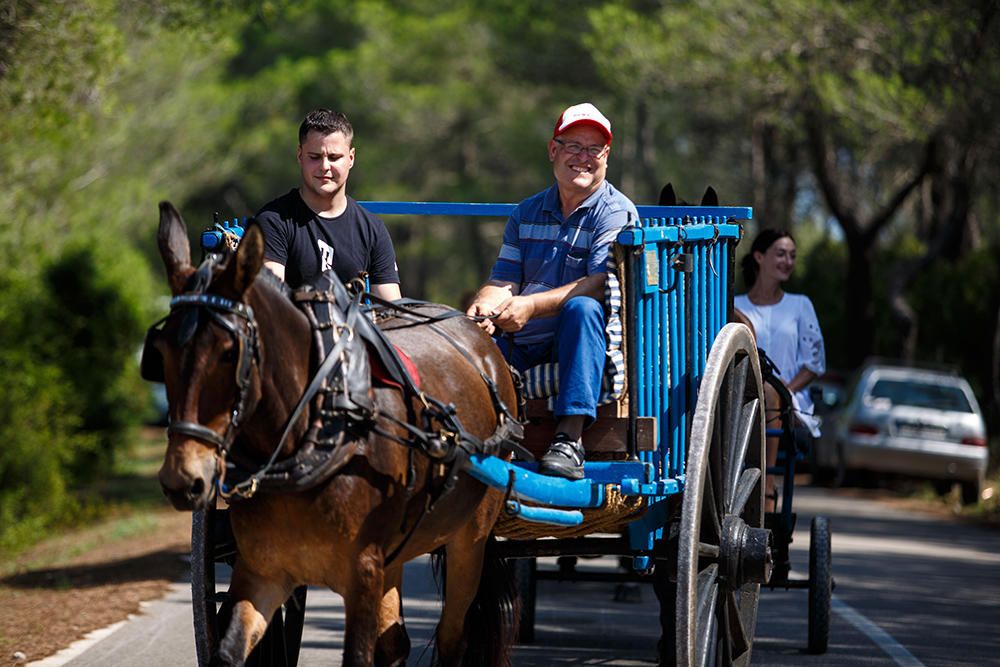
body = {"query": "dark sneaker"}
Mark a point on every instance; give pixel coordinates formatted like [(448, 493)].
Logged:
[(564, 458)]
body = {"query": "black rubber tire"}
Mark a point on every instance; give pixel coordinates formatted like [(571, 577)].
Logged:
[(526, 582), (212, 542), (942, 487), (820, 584), (971, 492)]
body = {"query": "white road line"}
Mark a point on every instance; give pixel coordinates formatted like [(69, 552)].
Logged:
[(880, 637)]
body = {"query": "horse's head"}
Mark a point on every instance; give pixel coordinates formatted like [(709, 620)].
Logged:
[(207, 355)]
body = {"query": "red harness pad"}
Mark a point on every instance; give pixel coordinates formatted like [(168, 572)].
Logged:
[(381, 375)]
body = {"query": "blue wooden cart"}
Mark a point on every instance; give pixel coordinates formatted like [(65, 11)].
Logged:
[(679, 444)]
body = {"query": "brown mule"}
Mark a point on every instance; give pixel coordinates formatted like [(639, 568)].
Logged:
[(354, 531)]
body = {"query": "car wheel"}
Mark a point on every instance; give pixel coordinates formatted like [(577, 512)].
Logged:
[(942, 487), (822, 476), (971, 492), (840, 472)]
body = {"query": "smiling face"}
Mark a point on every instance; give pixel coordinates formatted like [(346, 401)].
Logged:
[(325, 161), (778, 262), (579, 175)]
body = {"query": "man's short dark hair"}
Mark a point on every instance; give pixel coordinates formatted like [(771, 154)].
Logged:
[(326, 122)]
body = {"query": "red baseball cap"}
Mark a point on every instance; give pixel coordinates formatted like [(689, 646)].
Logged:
[(583, 114)]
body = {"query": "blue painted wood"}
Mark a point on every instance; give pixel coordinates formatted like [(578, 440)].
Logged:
[(476, 209), (547, 515), (673, 322), (637, 236), (543, 489)]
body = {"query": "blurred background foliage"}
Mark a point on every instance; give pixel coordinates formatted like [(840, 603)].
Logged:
[(869, 128)]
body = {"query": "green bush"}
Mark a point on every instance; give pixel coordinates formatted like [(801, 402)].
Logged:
[(96, 318), (72, 394)]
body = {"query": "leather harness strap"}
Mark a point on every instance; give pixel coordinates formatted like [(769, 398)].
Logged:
[(339, 393)]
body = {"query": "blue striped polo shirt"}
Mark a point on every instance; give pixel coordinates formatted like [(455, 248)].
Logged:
[(541, 251)]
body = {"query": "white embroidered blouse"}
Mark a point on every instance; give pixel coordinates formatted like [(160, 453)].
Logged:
[(789, 333)]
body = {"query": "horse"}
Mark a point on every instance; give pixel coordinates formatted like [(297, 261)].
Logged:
[(236, 353)]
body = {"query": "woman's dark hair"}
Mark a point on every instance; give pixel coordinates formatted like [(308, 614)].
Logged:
[(765, 239)]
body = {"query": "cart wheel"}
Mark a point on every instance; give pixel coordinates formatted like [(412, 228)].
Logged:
[(525, 581), (820, 584), (724, 551), (212, 542)]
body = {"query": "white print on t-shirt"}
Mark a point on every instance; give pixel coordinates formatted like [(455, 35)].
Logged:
[(325, 255)]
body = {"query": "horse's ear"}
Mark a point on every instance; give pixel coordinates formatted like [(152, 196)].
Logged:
[(174, 247), (710, 198), (667, 196), (248, 260)]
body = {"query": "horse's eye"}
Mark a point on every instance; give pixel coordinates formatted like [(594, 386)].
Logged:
[(229, 356)]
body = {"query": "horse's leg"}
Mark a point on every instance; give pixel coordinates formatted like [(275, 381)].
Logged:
[(362, 604), (255, 600), (477, 622), (393, 644), (463, 569)]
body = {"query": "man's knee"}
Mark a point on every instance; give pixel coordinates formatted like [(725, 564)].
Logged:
[(582, 309)]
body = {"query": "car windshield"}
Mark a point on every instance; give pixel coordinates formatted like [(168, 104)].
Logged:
[(922, 394)]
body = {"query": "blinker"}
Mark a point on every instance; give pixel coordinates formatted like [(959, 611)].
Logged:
[(151, 364)]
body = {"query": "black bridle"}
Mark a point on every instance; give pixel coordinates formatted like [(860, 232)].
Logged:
[(345, 398), (238, 321)]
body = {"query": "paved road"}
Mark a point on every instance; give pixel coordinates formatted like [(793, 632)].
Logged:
[(911, 590)]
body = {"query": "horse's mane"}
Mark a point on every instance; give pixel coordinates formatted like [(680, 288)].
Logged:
[(267, 277)]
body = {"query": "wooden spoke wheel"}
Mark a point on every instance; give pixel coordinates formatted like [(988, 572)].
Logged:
[(724, 551), (212, 542)]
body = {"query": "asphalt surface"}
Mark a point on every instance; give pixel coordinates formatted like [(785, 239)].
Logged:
[(910, 590)]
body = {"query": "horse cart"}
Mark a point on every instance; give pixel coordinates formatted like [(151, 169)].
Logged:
[(675, 462)]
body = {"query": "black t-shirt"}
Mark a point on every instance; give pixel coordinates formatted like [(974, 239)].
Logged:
[(308, 244)]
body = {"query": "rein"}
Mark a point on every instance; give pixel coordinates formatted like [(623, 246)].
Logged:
[(245, 339), (341, 328), (434, 447)]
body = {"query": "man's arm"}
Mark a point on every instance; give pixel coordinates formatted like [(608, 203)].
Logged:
[(516, 311), (387, 291), (276, 268), (488, 300)]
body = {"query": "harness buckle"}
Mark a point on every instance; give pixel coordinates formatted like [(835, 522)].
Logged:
[(339, 329)]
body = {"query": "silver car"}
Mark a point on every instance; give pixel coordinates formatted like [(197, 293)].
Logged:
[(910, 421)]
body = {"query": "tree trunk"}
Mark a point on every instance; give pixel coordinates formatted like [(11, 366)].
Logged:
[(995, 374), (859, 303)]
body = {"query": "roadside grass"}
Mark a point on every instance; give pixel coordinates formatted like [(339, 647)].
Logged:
[(988, 507), (985, 512), (121, 505)]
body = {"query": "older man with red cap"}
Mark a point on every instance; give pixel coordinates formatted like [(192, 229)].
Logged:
[(547, 284)]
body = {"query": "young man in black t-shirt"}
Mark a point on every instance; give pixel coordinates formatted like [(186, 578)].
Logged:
[(317, 227)]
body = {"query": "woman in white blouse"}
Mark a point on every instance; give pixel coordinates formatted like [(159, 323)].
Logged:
[(787, 330)]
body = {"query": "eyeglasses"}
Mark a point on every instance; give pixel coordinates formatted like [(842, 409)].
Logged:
[(574, 148)]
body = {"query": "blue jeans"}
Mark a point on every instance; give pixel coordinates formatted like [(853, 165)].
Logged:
[(578, 346)]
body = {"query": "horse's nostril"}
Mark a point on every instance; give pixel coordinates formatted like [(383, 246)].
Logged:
[(196, 488)]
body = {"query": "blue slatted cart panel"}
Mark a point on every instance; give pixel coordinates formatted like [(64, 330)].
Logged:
[(678, 286)]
